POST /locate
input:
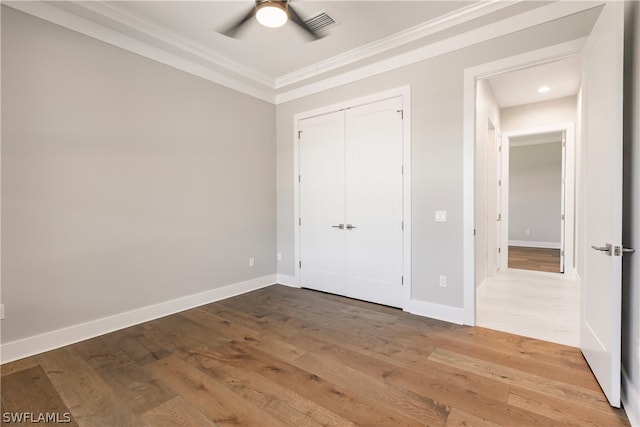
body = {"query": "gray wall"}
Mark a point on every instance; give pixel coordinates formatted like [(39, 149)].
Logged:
[(631, 206), (437, 135), (535, 173), (124, 182)]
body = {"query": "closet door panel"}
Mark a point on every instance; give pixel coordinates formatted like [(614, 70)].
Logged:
[(374, 202), (322, 203)]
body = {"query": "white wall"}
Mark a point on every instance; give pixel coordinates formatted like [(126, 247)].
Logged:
[(535, 174), (125, 182), (437, 137), (539, 114), (487, 110), (631, 217)]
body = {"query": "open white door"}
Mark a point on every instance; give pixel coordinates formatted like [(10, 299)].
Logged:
[(563, 204), (602, 192)]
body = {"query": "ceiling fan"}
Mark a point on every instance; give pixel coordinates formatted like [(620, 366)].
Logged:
[(272, 14)]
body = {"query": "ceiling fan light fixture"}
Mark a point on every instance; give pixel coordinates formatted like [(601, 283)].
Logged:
[(271, 14)]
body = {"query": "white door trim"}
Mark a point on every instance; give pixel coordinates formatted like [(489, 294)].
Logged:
[(405, 93), (569, 194), (471, 76)]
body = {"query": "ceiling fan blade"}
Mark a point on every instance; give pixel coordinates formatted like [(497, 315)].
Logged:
[(293, 15), (233, 30)]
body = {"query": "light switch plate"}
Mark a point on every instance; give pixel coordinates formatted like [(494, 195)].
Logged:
[(441, 216)]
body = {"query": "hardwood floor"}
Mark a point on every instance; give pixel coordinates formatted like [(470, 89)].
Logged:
[(537, 259), (292, 357)]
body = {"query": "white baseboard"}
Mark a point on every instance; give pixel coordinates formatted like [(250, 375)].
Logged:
[(285, 279), (532, 244), (435, 311), (36, 344), (630, 399)]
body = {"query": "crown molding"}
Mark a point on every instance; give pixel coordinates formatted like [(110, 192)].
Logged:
[(142, 26), (425, 29), (207, 64), (100, 32), (515, 23)]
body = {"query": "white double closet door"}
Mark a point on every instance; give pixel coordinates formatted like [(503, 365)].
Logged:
[(351, 219)]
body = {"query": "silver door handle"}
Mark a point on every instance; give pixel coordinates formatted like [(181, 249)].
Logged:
[(614, 250), (350, 227), (340, 226), (606, 248)]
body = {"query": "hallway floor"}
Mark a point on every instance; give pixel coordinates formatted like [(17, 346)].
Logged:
[(539, 305)]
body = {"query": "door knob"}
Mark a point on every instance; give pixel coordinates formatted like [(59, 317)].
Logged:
[(340, 226), (350, 227)]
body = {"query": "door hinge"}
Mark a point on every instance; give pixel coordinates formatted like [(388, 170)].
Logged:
[(299, 264), (499, 183), (402, 170), (562, 253), (299, 178), (562, 217), (299, 133), (402, 225), (402, 280), (499, 148), (499, 217), (474, 231), (401, 114), (499, 250), (299, 221)]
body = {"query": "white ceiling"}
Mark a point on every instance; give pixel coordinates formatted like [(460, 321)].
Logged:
[(280, 64), (521, 86)]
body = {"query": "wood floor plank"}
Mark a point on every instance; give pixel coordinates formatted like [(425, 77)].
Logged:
[(30, 391), (537, 259), (560, 410), (418, 407), (176, 412), (18, 365), (516, 377), (520, 362), (128, 380), (278, 400), (458, 418), (286, 356), (344, 401), (208, 395), (88, 397)]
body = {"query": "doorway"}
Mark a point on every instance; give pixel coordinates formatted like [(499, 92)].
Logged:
[(524, 241), (539, 179)]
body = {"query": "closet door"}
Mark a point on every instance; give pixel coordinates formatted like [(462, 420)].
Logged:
[(374, 202), (322, 203)]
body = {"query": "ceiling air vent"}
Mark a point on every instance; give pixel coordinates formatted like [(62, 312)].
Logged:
[(320, 22)]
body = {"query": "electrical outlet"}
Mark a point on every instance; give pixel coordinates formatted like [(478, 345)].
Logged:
[(252, 262), (279, 256), (1, 311), (443, 281), (441, 216)]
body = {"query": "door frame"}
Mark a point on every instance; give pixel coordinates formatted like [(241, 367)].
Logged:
[(471, 76), (405, 93), (569, 192)]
